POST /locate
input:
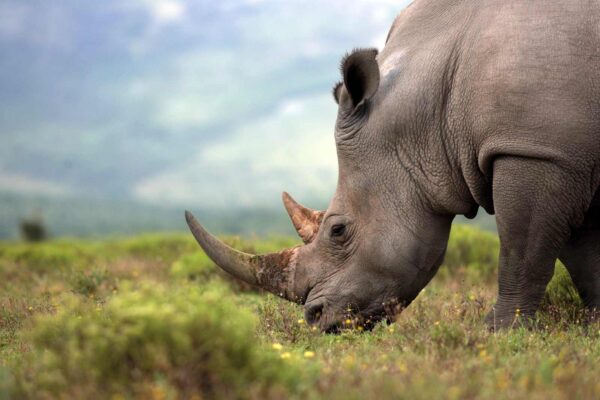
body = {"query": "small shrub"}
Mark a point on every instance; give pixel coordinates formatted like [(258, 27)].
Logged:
[(5, 383), (275, 244), (473, 249), (562, 303), (33, 229), (279, 320), (195, 266), (446, 335), (43, 258), (87, 282), (163, 248), (12, 314), (561, 291), (199, 267), (188, 340)]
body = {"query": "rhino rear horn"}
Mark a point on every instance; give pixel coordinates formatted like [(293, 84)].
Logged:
[(305, 220)]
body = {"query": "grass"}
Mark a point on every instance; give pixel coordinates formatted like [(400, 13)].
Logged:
[(152, 317)]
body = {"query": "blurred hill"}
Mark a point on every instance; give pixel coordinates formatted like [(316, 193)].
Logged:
[(92, 217), (95, 217)]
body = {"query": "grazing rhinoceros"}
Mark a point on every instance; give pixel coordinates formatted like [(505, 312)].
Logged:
[(472, 103)]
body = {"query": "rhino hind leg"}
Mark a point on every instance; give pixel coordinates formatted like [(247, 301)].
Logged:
[(581, 256), (536, 203)]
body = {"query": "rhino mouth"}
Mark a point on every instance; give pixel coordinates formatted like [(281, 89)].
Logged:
[(315, 316), (333, 322)]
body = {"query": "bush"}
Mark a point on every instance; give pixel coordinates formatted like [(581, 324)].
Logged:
[(161, 248), (474, 250), (561, 291), (43, 258), (195, 266), (33, 229), (87, 282), (5, 383), (191, 341)]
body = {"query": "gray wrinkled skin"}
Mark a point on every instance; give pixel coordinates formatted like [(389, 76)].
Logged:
[(471, 103)]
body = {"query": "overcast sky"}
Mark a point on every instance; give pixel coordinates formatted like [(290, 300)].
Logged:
[(204, 103)]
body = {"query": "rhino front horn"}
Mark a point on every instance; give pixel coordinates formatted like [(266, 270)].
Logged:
[(305, 220), (273, 272)]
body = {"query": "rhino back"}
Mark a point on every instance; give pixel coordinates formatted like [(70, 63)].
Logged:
[(532, 80), (501, 78)]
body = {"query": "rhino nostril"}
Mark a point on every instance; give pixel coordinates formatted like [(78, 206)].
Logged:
[(313, 313), (333, 329)]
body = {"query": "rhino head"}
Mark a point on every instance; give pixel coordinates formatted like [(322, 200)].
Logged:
[(377, 244)]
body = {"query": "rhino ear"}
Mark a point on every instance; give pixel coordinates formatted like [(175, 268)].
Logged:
[(337, 91), (361, 76)]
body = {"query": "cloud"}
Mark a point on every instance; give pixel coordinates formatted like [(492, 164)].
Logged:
[(43, 25), (246, 81), (160, 14), (166, 11), (13, 17), (12, 182), (293, 149)]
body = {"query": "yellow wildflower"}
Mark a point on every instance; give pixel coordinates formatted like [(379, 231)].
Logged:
[(402, 367), (309, 354), (348, 361), (454, 392), (277, 346), (286, 355)]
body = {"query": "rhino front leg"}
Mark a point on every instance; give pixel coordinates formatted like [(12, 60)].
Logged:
[(581, 256), (536, 203)]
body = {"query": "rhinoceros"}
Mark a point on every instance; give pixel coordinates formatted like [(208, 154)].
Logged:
[(472, 103)]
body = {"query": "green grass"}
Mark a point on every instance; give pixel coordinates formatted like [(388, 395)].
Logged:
[(151, 317)]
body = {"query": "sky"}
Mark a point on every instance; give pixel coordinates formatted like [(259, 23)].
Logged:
[(208, 104)]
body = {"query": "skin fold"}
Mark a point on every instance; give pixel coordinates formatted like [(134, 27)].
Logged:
[(491, 104)]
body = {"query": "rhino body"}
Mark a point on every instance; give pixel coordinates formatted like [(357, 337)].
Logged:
[(491, 104)]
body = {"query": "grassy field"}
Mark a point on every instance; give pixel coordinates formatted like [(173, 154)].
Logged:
[(151, 317)]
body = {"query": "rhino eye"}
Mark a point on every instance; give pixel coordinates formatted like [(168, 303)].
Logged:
[(338, 230)]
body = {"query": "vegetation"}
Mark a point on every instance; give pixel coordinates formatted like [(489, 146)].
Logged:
[(33, 229), (152, 317)]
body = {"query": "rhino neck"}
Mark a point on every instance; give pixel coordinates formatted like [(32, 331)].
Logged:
[(420, 69), (427, 141)]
